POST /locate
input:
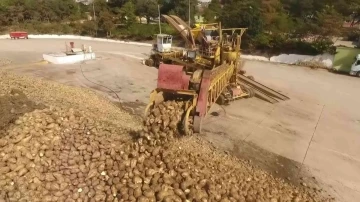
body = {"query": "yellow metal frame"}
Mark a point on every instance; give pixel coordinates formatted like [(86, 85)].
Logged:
[(222, 75), (175, 54), (219, 82)]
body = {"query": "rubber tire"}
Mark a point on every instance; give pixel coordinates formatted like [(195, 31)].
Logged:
[(358, 74), (250, 91), (149, 62), (251, 77), (242, 72), (156, 63), (221, 100)]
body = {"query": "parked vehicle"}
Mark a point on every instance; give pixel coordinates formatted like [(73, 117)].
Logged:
[(18, 35), (355, 67)]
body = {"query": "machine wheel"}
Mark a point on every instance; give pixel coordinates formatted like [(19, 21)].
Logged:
[(242, 72), (149, 62), (156, 63), (251, 77), (358, 74), (221, 100), (197, 124), (252, 92), (249, 91), (187, 121)]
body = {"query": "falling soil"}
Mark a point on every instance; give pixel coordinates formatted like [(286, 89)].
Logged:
[(13, 105), (134, 108), (279, 166)]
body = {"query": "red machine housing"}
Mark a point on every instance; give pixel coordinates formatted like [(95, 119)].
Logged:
[(201, 107), (18, 35), (236, 91), (172, 77)]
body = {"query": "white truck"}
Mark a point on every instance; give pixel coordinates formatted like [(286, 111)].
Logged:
[(355, 67)]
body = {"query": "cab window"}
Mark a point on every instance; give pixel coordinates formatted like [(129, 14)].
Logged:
[(167, 40)]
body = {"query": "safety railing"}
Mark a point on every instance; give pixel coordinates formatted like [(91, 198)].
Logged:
[(206, 52)]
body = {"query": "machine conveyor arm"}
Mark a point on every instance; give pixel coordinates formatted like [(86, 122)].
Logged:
[(182, 28)]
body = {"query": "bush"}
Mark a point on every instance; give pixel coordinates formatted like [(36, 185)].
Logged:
[(313, 64), (43, 28), (142, 31), (323, 46), (88, 28), (263, 43), (273, 44), (352, 34)]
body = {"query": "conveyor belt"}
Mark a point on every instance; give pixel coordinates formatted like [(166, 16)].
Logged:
[(261, 95), (258, 87)]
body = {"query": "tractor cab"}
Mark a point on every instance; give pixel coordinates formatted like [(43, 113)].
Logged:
[(163, 43)]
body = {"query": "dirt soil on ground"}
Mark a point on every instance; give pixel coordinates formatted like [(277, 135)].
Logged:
[(4, 62), (14, 105)]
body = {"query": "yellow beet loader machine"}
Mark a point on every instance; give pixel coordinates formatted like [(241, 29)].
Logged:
[(205, 72)]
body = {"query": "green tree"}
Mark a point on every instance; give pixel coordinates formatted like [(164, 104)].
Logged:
[(117, 3), (147, 9), (274, 17), (89, 28), (328, 22), (245, 14), (106, 22), (100, 6), (127, 13), (213, 11), (15, 13), (181, 8), (63, 9), (46, 13), (300, 8), (352, 10)]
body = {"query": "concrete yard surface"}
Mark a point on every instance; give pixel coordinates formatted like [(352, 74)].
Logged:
[(319, 127), (314, 135)]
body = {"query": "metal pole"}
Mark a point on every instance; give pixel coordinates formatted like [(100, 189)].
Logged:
[(94, 9), (159, 18), (189, 13), (95, 18)]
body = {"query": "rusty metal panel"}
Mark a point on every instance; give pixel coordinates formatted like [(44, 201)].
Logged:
[(260, 87), (201, 107), (236, 91), (171, 77)]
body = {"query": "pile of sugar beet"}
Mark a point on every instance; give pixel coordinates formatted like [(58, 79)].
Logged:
[(63, 151), (4, 61)]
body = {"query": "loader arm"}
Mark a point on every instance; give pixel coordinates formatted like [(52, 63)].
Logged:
[(182, 28)]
